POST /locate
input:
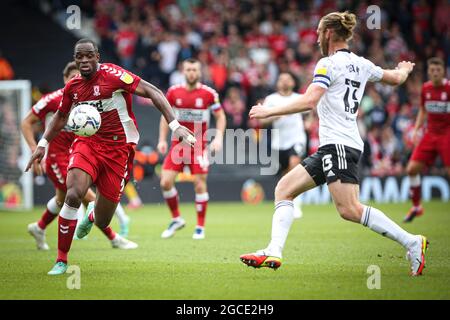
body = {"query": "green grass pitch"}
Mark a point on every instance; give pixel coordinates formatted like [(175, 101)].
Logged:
[(325, 258)]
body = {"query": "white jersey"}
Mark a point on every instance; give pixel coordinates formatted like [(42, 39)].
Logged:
[(290, 130), (344, 75)]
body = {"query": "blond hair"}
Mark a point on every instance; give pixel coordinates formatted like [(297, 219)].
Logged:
[(342, 23)]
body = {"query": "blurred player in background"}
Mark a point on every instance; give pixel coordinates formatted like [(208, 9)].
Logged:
[(435, 109), (289, 137), (134, 201), (104, 159), (56, 168), (336, 90), (192, 103)]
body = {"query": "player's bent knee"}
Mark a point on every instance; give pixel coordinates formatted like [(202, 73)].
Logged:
[(200, 187), (282, 192), (166, 184), (412, 169), (73, 197)]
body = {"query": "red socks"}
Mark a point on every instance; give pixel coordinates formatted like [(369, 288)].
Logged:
[(201, 203), (50, 213), (415, 190), (46, 219), (67, 223), (416, 195), (171, 198), (109, 233)]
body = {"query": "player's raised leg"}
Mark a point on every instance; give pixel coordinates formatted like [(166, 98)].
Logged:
[(201, 203), (413, 170), (101, 220), (170, 194), (101, 213), (78, 182), (291, 185), (37, 229), (346, 199), (87, 222)]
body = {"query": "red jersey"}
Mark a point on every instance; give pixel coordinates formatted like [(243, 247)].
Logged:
[(44, 109), (193, 107), (434, 100), (109, 90)]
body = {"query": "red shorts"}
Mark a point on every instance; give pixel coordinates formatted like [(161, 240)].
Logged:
[(56, 169), (181, 155), (109, 166), (432, 145)]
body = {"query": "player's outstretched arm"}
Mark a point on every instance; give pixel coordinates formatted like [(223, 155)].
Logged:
[(303, 102), (398, 75), (147, 90), (57, 122)]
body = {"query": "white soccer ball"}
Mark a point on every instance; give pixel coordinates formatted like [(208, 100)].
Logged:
[(84, 120)]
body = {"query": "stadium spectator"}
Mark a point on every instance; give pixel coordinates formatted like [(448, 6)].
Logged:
[(125, 40), (234, 106), (6, 71), (9, 143), (248, 43)]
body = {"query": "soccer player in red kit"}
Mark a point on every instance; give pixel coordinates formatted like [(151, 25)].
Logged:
[(56, 166), (192, 103), (104, 159), (436, 140)]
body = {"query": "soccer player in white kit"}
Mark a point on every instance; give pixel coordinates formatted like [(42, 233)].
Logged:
[(288, 135), (336, 91)]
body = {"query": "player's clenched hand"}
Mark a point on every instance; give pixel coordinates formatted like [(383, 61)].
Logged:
[(36, 157), (185, 135), (259, 112), (407, 65), (162, 147)]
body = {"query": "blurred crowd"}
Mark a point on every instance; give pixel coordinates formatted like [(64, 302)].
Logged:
[(244, 44)]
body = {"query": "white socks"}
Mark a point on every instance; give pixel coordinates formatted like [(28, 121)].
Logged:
[(281, 223), (298, 207), (201, 197), (121, 215), (414, 181), (68, 212), (380, 223), (170, 194), (52, 206)]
